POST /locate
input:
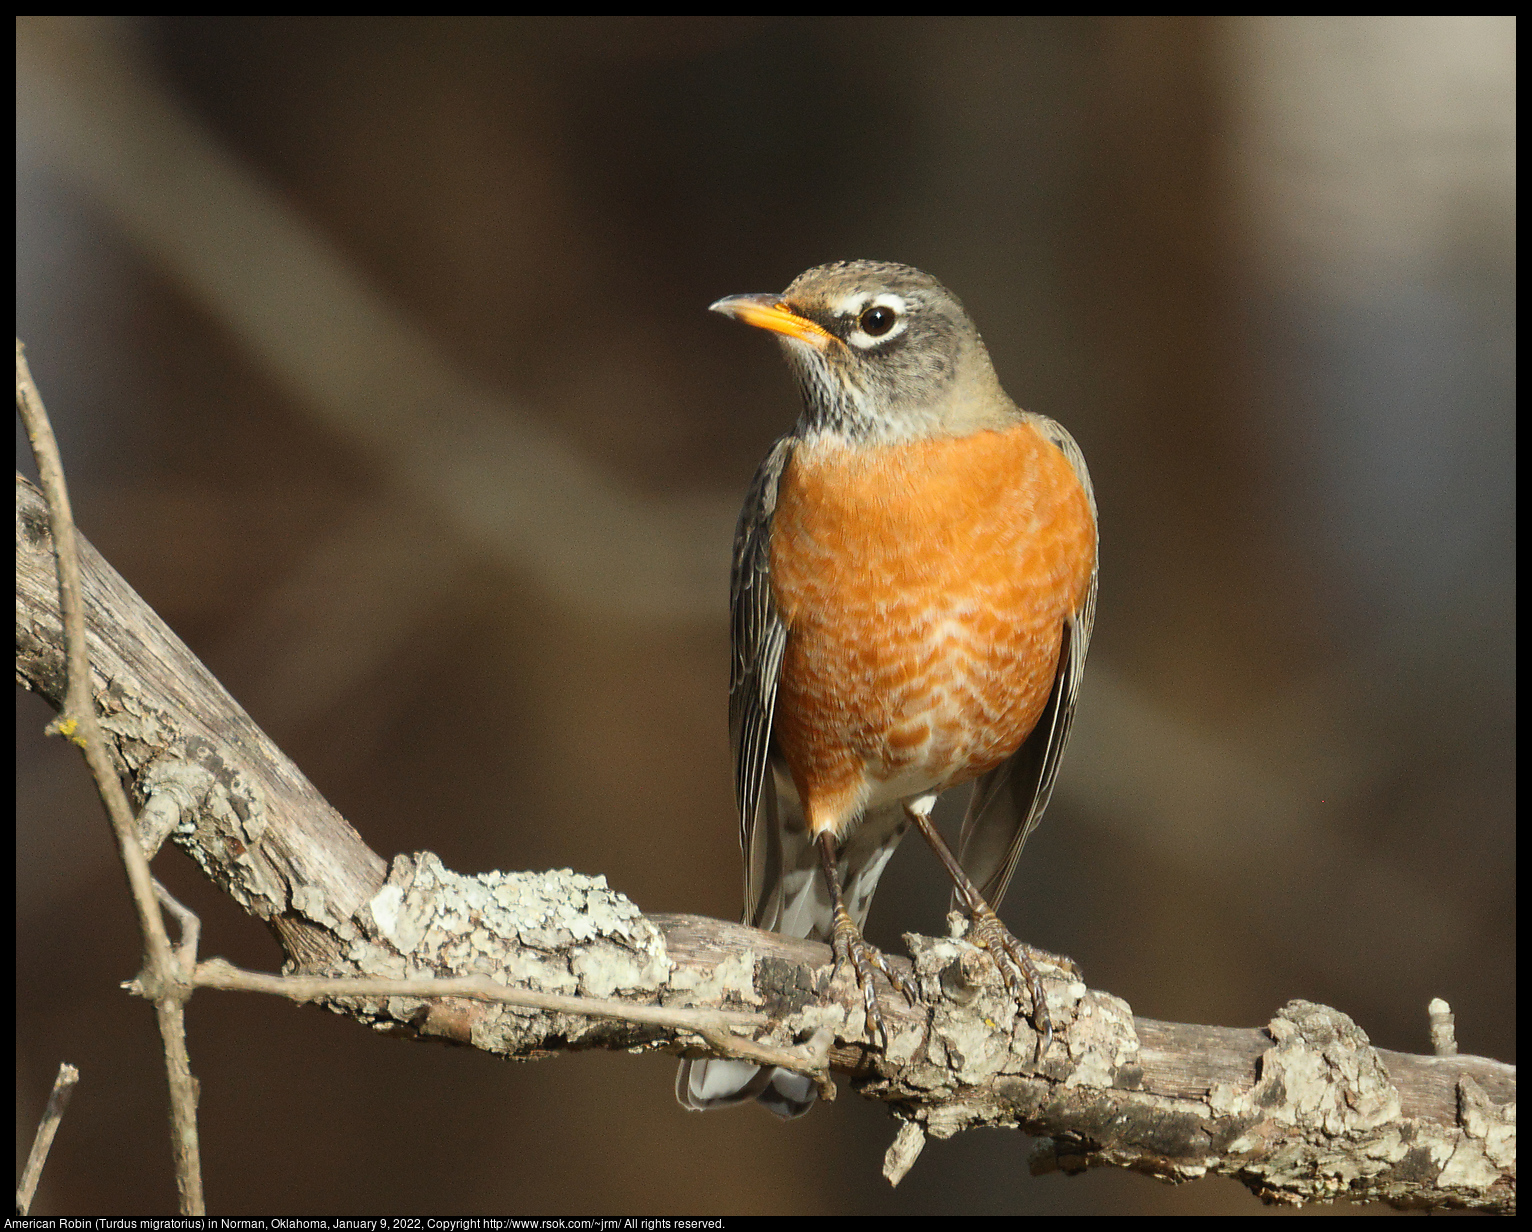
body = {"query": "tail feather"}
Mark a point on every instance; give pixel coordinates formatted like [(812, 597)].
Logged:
[(796, 904), (706, 1083)]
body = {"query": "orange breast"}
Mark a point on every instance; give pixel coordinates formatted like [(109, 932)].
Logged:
[(924, 588)]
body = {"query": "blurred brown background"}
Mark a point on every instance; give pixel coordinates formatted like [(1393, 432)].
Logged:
[(379, 357)]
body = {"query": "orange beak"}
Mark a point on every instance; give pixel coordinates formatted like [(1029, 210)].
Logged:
[(769, 312)]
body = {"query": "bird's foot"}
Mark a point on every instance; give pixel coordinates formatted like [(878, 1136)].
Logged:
[(851, 948), (1018, 968)]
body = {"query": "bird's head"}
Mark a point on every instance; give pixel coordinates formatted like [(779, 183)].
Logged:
[(882, 352)]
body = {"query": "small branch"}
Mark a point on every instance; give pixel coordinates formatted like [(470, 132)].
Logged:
[(714, 1026), (191, 930), (217, 973), (77, 721), (58, 1100), (77, 718)]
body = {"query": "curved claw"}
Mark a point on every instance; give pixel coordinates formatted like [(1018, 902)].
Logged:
[(850, 947), (1017, 969), (901, 985)]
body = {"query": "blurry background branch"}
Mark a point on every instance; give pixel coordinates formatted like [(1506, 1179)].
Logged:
[(1171, 1100), (461, 452), (354, 322)]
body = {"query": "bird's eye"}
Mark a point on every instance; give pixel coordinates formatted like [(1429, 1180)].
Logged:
[(877, 320)]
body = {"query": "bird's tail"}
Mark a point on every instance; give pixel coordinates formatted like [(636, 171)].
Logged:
[(795, 901)]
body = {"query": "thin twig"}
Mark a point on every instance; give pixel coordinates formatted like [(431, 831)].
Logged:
[(77, 722), (191, 929), (58, 1100), (714, 1026), (219, 973)]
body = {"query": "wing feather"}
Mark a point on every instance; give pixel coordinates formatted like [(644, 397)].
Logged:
[(758, 637)]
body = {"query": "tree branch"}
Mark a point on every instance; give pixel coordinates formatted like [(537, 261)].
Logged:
[(1301, 1110)]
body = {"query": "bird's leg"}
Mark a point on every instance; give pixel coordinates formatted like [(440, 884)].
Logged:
[(1012, 957), (850, 946)]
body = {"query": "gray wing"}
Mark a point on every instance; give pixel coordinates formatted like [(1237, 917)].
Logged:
[(757, 635), (1008, 802)]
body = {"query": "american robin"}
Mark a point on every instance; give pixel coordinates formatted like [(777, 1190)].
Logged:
[(913, 587)]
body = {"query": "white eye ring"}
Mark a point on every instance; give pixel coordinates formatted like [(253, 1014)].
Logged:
[(857, 308)]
